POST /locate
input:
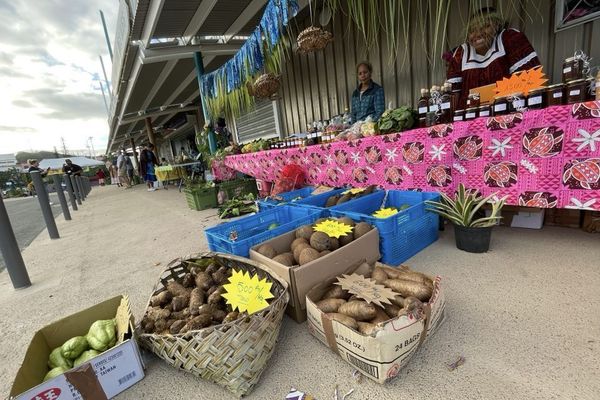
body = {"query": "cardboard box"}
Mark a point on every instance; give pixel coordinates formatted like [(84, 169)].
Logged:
[(303, 278), (103, 377), (591, 221), (563, 217), (381, 357), (527, 217)]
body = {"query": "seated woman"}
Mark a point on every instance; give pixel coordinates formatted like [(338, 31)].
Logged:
[(491, 53), (368, 99)]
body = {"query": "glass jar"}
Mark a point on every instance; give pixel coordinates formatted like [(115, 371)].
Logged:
[(485, 111), (471, 113), (572, 69), (555, 94), (459, 115), (473, 100), (590, 89), (537, 99), (422, 122), (576, 91), (516, 102), (500, 106)]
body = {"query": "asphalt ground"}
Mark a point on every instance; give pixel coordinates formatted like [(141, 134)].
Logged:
[(27, 220)]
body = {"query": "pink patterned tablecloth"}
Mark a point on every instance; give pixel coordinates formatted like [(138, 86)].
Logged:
[(221, 171), (540, 158)]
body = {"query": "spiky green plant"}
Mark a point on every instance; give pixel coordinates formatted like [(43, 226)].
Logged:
[(464, 207)]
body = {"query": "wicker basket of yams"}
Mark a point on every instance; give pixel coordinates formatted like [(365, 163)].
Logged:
[(313, 39), (189, 325)]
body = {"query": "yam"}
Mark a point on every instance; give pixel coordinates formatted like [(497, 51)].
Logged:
[(176, 288), (161, 299), (334, 244), (332, 200), (218, 316), (180, 302), (366, 328), (335, 292), (361, 229), (176, 327), (183, 314), (156, 313), (391, 310), (160, 326), (232, 316), (211, 268), (204, 280), (380, 317), (343, 319), (220, 278), (286, 259), (188, 280), (206, 309), (409, 288), (379, 275), (298, 241), (415, 277), (412, 303), (199, 322), (267, 250), (147, 325), (359, 310), (211, 290), (298, 250), (308, 255), (196, 300), (320, 241), (215, 297), (304, 232), (398, 300), (330, 305)]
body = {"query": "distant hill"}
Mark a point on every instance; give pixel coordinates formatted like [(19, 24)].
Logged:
[(23, 156)]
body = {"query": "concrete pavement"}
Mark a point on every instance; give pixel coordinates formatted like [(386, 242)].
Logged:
[(525, 315)]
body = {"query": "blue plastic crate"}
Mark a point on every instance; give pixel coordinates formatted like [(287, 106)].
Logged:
[(318, 201), (401, 235), (288, 197), (254, 229)]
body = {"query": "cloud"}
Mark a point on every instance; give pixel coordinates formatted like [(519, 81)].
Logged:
[(48, 59), (11, 72), (22, 129), (23, 103), (6, 58)]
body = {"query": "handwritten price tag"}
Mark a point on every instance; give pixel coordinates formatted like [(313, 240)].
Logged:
[(333, 228), (366, 289), (246, 293)]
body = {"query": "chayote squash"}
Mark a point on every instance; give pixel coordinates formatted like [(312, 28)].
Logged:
[(54, 372), (73, 347), (56, 359), (102, 335), (85, 356)]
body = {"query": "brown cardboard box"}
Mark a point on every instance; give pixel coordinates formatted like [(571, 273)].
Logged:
[(563, 217), (591, 221), (381, 357), (303, 278), (104, 376)]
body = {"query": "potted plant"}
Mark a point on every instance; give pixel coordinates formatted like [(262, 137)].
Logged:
[(472, 234)]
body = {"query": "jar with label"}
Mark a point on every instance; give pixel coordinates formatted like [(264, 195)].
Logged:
[(433, 101), (590, 89), (537, 99), (423, 107), (471, 113), (516, 102), (576, 91), (446, 105), (473, 100), (555, 94), (500, 106), (319, 138), (572, 69), (485, 110), (459, 115)]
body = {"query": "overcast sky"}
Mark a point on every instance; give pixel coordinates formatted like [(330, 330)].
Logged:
[(50, 71)]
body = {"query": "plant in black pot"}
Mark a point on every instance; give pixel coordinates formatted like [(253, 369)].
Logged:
[(472, 233)]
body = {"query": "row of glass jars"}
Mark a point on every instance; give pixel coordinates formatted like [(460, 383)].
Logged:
[(576, 91), (310, 139)]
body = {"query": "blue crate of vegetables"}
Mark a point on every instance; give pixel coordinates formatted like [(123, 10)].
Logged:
[(270, 202)]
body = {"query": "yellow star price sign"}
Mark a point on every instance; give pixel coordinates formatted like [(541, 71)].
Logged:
[(247, 293), (333, 228), (354, 191), (385, 212)]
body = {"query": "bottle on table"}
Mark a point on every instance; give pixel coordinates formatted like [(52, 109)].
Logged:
[(423, 107), (446, 104)]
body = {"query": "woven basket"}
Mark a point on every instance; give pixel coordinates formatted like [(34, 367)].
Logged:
[(313, 39), (265, 85), (234, 354)]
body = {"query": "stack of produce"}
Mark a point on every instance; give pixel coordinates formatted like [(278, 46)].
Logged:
[(348, 195), (412, 289), (310, 244), (79, 349)]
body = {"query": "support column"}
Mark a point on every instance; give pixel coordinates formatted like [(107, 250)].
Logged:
[(61, 196), (44, 201), (135, 161), (11, 252)]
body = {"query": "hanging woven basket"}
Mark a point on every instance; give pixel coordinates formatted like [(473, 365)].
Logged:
[(313, 39), (265, 85)]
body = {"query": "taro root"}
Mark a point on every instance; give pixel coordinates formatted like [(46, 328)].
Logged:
[(308, 255), (188, 280), (267, 250), (361, 229), (204, 281), (304, 232), (285, 259), (296, 242), (161, 299)]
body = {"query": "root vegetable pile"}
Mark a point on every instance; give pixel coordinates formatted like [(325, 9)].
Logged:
[(344, 197), (413, 288), (194, 303)]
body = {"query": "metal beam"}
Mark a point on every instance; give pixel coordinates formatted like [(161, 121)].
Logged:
[(166, 71), (156, 114), (149, 56), (204, 9), (152, 18), (242, 20)]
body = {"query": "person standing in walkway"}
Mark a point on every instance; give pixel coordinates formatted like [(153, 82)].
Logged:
[(130, 170), (122, 169), (101, 175), (148, 161)]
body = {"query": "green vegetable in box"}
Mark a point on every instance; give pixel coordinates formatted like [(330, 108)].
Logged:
[(73, 347), (102, 335), (397, 120), (85, 356), (54, 372), (56, 359)]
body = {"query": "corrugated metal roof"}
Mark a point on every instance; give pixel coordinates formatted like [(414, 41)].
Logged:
[(222, 16), (175, 17)]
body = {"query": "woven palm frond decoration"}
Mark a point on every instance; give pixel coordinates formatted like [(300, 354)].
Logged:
[(266, 85)]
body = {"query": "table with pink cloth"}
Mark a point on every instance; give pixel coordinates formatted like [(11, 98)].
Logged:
[(222, 172), (539, 158)]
